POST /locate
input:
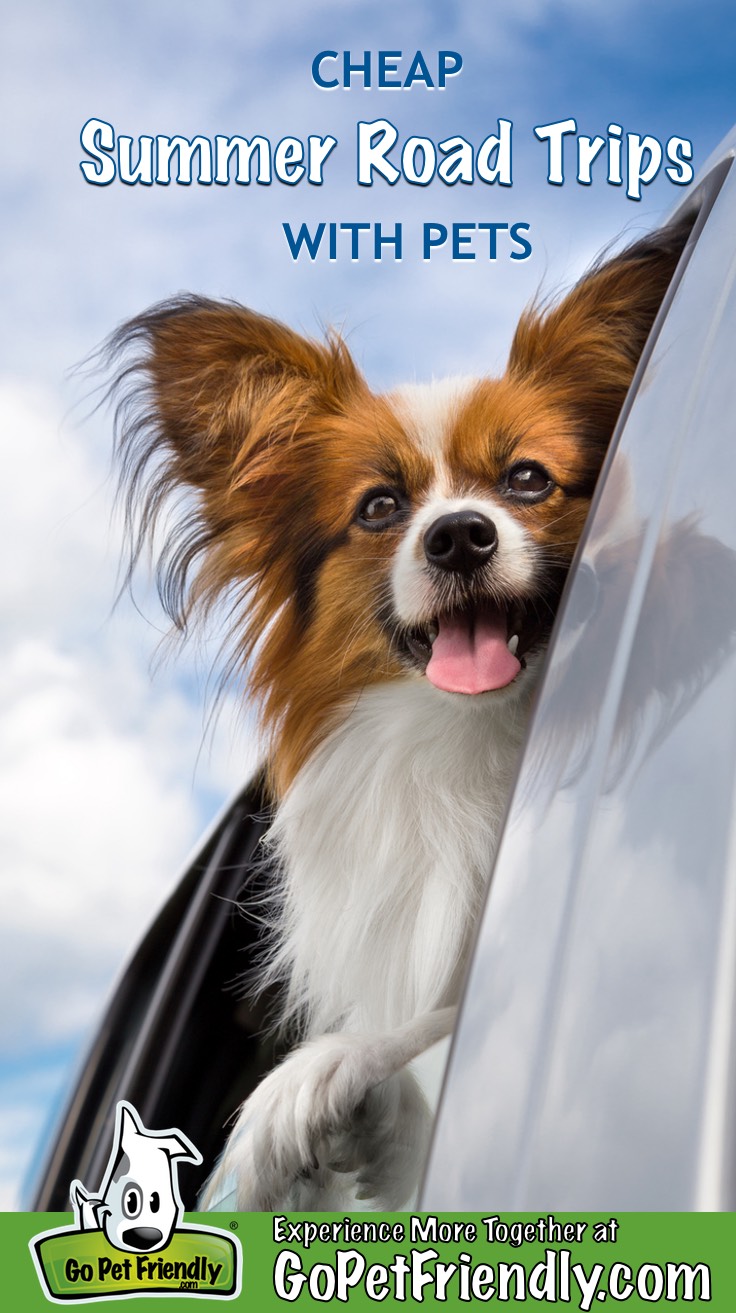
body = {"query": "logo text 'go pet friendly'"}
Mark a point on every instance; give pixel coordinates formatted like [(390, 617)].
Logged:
[(129, 1239)]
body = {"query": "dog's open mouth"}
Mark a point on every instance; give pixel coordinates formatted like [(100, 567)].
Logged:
[(473, 650)]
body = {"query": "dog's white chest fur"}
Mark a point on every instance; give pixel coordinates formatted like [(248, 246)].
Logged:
[(386, 840)]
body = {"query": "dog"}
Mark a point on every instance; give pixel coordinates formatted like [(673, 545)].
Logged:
[(139, 1204), (390, 566)]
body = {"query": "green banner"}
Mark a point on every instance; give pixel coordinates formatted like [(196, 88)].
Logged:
[(578, 1261)]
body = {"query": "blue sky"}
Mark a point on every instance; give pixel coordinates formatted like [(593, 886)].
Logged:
[(107, 773)]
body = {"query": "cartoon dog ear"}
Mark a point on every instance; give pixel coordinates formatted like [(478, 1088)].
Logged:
[(83, 1205), (131, 1128), (178, 1146), (585, 350)]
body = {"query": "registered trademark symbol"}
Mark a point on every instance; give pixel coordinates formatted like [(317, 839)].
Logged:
[(233, 1226)]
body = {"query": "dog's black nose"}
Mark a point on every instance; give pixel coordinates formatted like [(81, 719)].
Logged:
[(142, 1237), (462, 541)]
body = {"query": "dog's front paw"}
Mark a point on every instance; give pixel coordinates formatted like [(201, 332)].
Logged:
[(384, 1145), (335, 1122)]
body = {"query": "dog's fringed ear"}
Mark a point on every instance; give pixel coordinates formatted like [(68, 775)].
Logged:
[(209, 396), (212, 381), (585, 350)]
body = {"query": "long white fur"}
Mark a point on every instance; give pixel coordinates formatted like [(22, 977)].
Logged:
[(428, 410), (385, 842)]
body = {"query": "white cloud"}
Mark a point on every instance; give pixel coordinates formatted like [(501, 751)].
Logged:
[(101, 774)]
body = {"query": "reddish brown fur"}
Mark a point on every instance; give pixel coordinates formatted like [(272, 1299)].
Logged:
[(281, 436), (510, 420)]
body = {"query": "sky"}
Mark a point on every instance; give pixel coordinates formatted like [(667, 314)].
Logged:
[(109, 766)]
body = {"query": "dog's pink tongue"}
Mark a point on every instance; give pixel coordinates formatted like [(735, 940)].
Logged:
[(469, 654)]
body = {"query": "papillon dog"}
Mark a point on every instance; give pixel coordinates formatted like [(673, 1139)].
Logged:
[(391, 566)]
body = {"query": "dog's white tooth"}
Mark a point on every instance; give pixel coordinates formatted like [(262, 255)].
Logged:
[(433, 631), (513, 643)]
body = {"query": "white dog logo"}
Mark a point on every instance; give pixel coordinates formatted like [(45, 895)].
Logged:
[(138, 1205)]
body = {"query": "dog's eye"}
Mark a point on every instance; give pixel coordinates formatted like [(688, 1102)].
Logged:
[(380, 507), (529, 482), (132, 1199), (154, 1202)]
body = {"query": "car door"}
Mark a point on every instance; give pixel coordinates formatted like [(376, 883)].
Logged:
[(593, 1063)]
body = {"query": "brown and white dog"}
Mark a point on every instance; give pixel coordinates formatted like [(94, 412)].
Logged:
[(391, 566)]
